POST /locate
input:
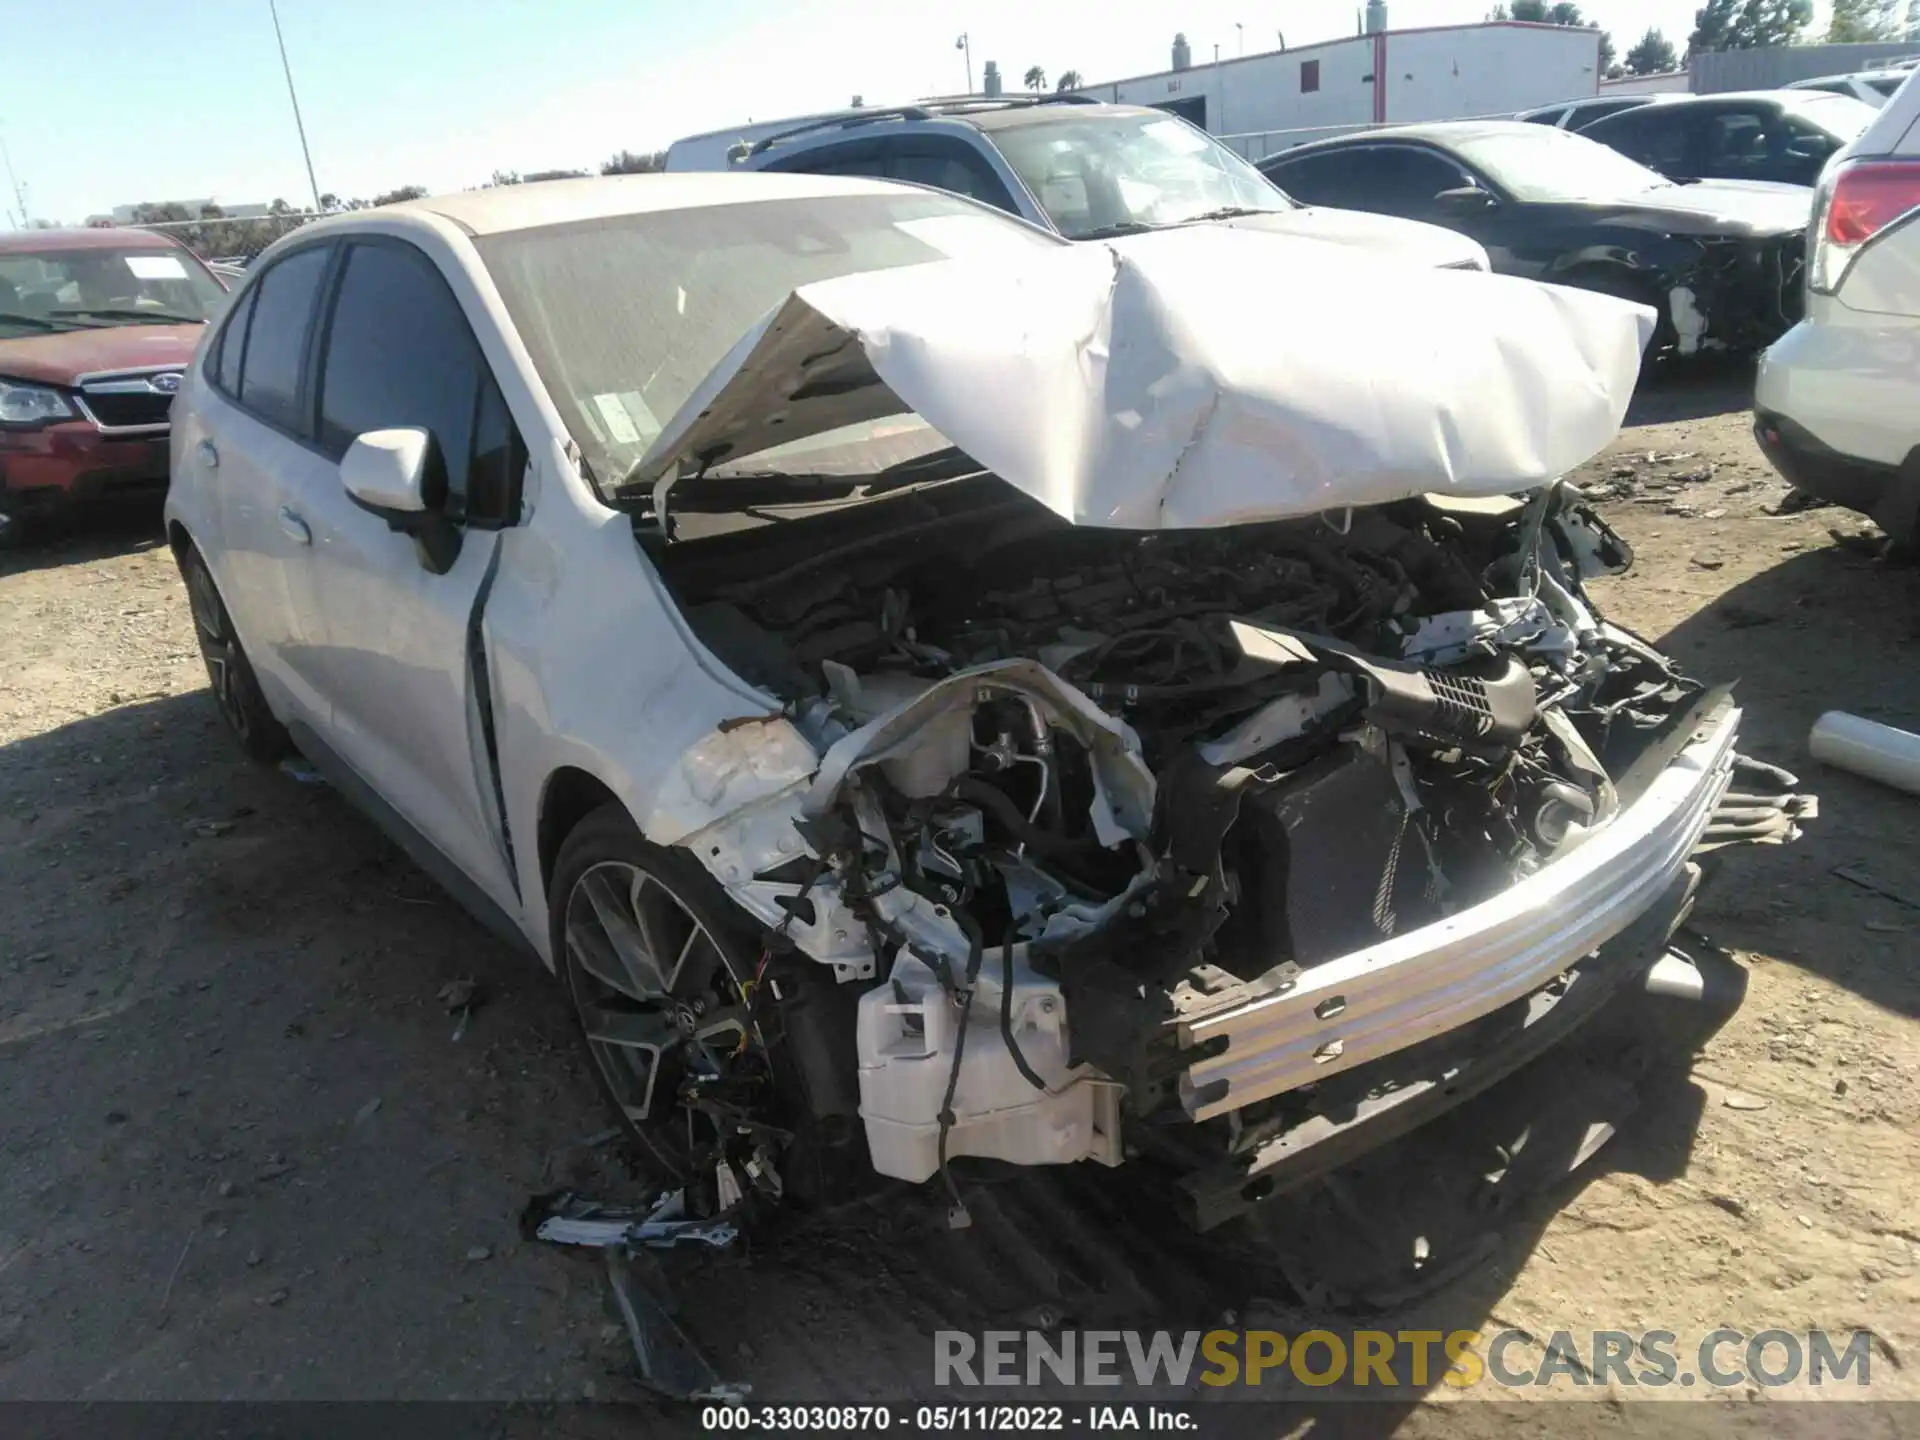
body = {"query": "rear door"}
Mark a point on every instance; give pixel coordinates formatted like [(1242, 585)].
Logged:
[(411, 709), (253, 453)]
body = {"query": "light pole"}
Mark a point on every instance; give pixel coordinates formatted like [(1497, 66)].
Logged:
[(963, 43), (298, 124), (19, 190), (1241, 30)]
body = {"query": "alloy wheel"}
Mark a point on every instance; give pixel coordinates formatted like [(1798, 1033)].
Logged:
[(217, 648), (665, 1014)]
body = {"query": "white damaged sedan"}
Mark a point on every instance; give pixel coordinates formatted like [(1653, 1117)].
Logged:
[(933, 691)]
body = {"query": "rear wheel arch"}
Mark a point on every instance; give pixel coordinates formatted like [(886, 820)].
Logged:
[(178, 540)]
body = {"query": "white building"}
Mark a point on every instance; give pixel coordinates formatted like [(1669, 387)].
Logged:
[(1273, 101)]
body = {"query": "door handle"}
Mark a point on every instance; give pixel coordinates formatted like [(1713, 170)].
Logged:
[(295, 527), (209, 454)]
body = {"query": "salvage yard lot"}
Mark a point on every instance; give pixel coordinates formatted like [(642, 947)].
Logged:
[(249, 1151)]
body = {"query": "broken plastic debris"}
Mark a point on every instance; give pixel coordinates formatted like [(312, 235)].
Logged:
[(564, 1218)]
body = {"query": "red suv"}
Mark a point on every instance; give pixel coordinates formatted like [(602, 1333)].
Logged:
[(95, 328)]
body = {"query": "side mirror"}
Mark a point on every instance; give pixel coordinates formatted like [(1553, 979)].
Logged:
[(1464, 200), (397, 475), (386, 471)]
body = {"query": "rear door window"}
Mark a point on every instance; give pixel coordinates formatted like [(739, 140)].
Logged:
[(233, 346), (946, 164), (277, 338), (862, 157)]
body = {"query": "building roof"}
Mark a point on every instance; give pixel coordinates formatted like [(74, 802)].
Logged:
[(560, 202), (91, 238)]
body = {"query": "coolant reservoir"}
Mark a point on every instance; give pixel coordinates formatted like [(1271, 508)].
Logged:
[(907, 1031)]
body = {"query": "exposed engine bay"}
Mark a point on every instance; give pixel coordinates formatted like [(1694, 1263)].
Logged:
[(1077, 783)]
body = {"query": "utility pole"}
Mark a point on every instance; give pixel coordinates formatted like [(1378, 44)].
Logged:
[(1243, 36), (13, 182), (963, 43), (298, 124)]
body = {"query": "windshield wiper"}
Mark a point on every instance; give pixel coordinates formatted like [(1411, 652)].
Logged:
[(7, 317), (1231, 212), (738, 491), (148, 317), (1108, 232)]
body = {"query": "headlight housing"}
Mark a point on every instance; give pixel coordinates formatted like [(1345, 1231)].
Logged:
[(32, 405)]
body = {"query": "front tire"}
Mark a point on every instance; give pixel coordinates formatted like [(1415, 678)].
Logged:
[(235, 689), (718, 1058)]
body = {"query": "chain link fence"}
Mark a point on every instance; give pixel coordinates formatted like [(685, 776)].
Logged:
[(233, 239)]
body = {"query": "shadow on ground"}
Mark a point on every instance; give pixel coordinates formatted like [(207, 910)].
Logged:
[(1693, 389), (118, 527), (1826, 629)]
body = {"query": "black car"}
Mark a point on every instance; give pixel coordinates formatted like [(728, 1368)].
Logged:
[(1719, 262), (1780, 135)]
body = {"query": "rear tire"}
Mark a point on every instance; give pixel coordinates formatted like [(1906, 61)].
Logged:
[(235, 690)]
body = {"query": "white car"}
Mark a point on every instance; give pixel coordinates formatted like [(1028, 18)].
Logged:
[(935, 691), (1874, 87), (1836, 397), (1081, 168)]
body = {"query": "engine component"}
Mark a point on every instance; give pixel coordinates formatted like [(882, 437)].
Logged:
[(909, 1029)]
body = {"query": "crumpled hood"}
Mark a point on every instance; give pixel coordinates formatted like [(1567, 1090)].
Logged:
[(1382, 234), (1191, 378), (1729, 207)]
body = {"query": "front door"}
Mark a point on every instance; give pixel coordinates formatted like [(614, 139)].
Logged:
[(399, 656)]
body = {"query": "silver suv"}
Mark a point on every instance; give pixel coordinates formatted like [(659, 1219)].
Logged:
[(1081, 168)]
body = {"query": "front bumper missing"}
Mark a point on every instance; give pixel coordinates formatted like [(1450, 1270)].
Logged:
[(1374, 1002)]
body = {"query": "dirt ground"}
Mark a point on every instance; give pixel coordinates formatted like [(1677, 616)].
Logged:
[(249, 1153)]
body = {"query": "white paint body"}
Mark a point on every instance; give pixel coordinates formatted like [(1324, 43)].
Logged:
[(1849, 372), (1173, 383)]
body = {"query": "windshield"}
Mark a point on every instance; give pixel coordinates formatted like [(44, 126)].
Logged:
[(624, 316), (42, 291), (1096, 174), (1887, 84), (1548, 165), (1841, 116)]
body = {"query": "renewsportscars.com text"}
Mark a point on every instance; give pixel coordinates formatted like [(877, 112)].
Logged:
[(1389, 1359)]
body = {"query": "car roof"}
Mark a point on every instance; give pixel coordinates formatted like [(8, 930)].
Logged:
[(1021, 116), (536, 204), (96, 237), (1443, 133)]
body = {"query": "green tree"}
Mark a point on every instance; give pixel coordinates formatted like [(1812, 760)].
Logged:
[(1069, 80), (629, 163), (1652, 54), (1564, 12), (1748, 24), (393, 197), (1036, 78), (1858, 21)]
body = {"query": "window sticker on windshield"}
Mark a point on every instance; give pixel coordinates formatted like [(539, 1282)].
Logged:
[(613, 414), (156, 267), (628, 418), (1176, 136)]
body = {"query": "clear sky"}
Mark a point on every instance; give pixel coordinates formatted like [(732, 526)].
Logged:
[(117, 101)]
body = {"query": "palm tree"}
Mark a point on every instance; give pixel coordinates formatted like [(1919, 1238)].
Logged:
[(1036, 78), (1069, 80)]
